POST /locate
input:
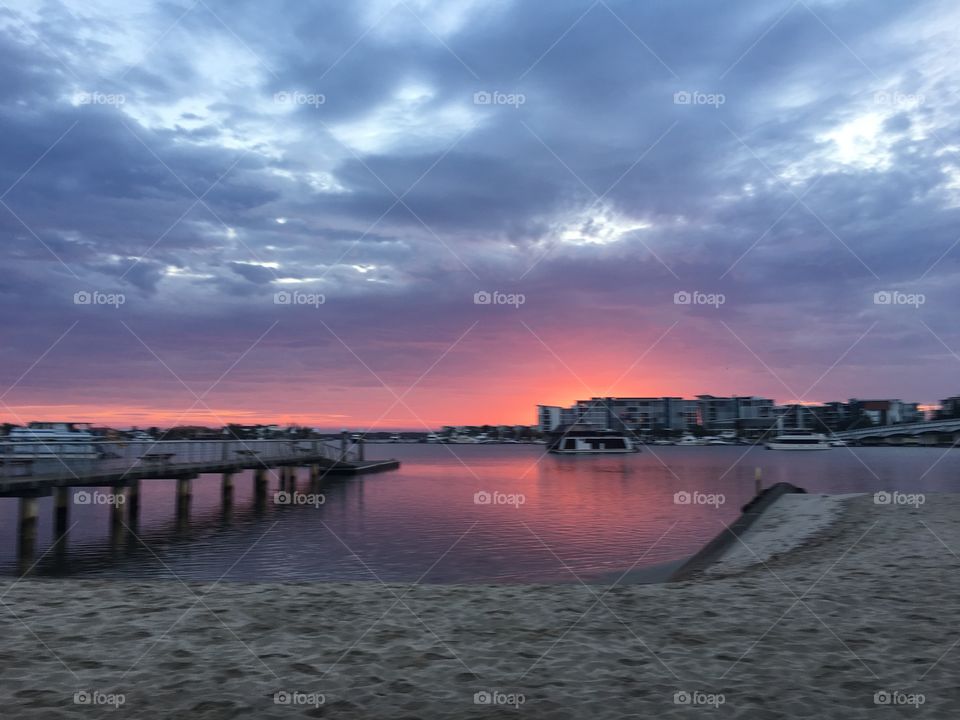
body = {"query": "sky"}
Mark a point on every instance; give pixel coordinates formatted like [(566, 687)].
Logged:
[(404, 214)]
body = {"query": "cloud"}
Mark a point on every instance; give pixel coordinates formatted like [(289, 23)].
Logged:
[(153, 153)]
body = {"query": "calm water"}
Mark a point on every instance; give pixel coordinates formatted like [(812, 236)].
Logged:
[(593, 516)]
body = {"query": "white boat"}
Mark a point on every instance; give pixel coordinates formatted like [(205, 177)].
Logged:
[(433, 438), (664, 442), (43, 439), (592, 443), (799, 441), (690, 440), (838, 443)]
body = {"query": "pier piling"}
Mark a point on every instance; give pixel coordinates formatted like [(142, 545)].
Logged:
[(260, 487), (27, 527), (226, 488), (116, 518), (183, 499), (133, 503), (61, 512)]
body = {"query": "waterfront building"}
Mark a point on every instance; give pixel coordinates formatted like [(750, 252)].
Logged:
[(949, 408), (658, 414)]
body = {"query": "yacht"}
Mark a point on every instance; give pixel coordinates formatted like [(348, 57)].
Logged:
[(838, 443), (690, 440), (799, 441), (47, 439), (584, 442), (433, 438)]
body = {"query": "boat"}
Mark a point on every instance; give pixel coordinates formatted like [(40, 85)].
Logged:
[(52, 439), (690, 440), (433, 438), (838, 443), (664, 442), (799, 441), (585, 442)]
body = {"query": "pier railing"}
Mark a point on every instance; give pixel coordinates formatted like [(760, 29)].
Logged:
[(34, 457)]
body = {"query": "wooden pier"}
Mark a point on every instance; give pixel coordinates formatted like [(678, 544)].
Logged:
[(30, 471)]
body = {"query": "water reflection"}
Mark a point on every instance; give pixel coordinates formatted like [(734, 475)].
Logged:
[(590, 517)]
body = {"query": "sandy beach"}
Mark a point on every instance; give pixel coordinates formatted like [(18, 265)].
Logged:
[(846, 620)]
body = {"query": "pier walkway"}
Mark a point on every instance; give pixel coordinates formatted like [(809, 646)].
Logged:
[(30, 470)]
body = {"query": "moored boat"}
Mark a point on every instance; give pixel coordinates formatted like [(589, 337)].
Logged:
[(586, 442), (47, 439), (799, 441)]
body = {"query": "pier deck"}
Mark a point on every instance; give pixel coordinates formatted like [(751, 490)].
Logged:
[(118, 464), (31, 470)]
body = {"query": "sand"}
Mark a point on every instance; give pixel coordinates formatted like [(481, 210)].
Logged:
[(791, 522), (866, 605)]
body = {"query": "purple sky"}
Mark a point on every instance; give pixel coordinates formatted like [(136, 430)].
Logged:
[(221, 168)]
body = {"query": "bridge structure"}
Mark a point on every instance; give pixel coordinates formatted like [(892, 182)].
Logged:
[(937, 432), (30, 470)]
